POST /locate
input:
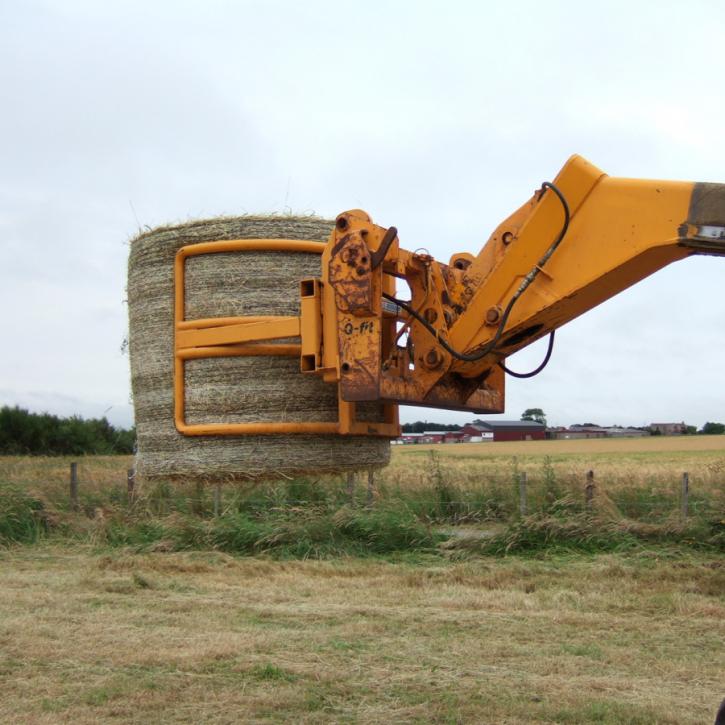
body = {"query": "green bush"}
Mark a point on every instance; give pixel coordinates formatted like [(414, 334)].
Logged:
[(26, 433)]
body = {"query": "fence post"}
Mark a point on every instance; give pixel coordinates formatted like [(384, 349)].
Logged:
[(217, 499), (371, 486), (351, 487), (74, 486), (589, 491), (522, 493), (197, 501), (685, 494), (131, 485)]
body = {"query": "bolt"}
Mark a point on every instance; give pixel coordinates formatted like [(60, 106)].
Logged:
[(433, 359), (507, 237), (493, 315), (430, 315)]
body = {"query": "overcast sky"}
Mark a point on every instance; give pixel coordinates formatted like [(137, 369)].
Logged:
[(438, 117)]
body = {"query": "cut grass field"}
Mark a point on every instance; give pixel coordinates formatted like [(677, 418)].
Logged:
[(294, 605), (115, 636)]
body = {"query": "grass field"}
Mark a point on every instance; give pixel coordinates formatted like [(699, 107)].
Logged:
[(295, 605), (90, 637)]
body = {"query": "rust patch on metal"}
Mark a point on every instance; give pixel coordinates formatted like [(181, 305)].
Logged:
[(704, 230), (484, 394), (360, 380), (707, 205), (350, 274)]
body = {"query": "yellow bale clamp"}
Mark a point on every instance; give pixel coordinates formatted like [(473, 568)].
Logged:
[(255, 336)]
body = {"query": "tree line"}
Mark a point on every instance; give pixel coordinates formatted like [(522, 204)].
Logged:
[(421, 426), (43, 434)]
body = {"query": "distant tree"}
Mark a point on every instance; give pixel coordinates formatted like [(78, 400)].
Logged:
[(713, 428), (690, 430), (423, 425), (535, 414)]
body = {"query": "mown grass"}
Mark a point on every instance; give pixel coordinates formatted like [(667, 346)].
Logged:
[(123, 636)]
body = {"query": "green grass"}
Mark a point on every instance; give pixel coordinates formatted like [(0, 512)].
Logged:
[(301, 532)]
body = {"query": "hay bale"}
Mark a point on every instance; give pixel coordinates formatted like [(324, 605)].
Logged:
[(237, 389)]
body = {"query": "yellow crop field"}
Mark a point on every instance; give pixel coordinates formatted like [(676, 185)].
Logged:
[(613, 446), (656, 462)]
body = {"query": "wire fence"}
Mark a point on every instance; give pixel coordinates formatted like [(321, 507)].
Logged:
[(90, 485)]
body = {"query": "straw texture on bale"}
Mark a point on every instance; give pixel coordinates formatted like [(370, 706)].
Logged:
[(236, 389)]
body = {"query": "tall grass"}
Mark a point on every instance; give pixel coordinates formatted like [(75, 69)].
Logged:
[(315, 517), (21, 520), (299, 532)]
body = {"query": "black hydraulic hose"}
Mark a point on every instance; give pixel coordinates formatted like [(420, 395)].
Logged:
[(536, 371), (530, 277)]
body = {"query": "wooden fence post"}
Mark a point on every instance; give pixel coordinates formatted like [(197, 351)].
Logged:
[(217, 499), (197, 502), (589, 491), (371, 486), (131, 485), (685, 494), (351, 486), (74, 486), (522, 493)]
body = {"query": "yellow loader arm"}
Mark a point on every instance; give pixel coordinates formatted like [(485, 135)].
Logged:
[(574, 244), (577, 242)]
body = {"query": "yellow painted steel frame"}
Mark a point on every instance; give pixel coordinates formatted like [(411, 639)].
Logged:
[(460, 320), (251, 336)]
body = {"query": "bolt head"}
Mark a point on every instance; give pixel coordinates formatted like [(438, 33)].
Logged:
[(433, 359), (493, 315)]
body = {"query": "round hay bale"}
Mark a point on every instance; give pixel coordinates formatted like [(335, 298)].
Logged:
[(235, 389)]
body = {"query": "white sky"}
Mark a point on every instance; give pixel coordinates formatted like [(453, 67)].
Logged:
[(438, 117)]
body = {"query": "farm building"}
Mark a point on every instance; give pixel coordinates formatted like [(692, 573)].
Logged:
[(579, 431), (432, 436), (590, 431), (507, 430), (455, 436), (669, 429)]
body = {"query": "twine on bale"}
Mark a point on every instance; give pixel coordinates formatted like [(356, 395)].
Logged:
[(236, 389)]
